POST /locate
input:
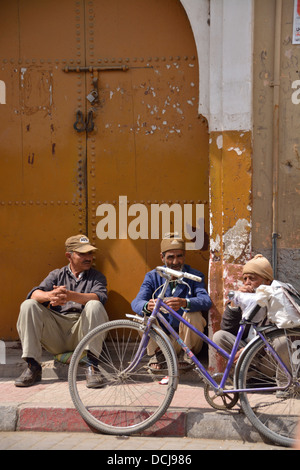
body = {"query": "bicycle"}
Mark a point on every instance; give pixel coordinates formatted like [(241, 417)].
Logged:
[(130, 398)]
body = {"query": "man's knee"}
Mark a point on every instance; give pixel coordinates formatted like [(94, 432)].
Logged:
[(94, 308), (196, 319), (217, 337), (225, 340), (29, 307), (31, 315), (28, 303)]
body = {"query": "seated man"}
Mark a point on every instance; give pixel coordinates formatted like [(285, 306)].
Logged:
[(62, 310), (189, 306), (256, 272)]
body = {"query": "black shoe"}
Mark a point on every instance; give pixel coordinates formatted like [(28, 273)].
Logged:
[(30, 376), (93, 378)]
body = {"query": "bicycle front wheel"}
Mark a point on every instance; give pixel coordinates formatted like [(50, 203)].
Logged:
[(124, 396), (275, 411)]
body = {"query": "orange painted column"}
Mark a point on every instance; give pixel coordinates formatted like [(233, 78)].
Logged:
[(230, 212)]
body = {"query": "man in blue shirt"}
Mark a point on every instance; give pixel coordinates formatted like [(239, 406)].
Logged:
[(59, 312), (189, 305)]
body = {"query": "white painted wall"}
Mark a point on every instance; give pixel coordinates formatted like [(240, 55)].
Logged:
[(225, 55)]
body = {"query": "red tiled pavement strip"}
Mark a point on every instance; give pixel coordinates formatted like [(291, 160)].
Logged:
[(48, 406)]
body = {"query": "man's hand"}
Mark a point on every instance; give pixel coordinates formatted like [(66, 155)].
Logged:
[(247, 288), (238, 353), (176, 303), (58, 296), (151, 305)]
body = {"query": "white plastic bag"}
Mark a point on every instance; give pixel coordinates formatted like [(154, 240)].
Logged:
[(245, 300), (281, 310)]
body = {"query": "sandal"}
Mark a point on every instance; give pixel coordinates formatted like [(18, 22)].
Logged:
[(184, 362), (158, 359)]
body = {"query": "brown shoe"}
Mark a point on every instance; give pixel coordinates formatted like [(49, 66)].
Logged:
[(93, 378), (30, 376)]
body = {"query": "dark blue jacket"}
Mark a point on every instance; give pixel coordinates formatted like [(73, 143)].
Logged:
[(199, 299)]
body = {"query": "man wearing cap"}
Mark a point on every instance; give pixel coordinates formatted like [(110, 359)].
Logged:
[(258, 271), (59, 312), (189, 305)]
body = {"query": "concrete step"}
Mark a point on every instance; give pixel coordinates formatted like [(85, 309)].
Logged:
[(13, 365)]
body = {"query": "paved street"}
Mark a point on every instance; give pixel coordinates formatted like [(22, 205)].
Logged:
[(43, 418), (112, 444)]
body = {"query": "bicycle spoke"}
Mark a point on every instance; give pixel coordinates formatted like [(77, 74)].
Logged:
[(130, 397), (275, 411)]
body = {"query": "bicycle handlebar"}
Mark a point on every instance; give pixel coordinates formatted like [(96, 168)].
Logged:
[(179, 274)]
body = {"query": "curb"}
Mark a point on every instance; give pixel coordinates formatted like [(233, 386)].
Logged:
[(8, 417), (175, 423)]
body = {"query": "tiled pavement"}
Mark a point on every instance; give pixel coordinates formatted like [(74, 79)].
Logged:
[(47, 406)]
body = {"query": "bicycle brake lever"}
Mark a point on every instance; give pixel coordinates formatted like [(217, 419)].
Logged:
[(180, 281)]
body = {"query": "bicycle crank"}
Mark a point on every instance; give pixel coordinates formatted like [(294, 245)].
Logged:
[(222, 400)]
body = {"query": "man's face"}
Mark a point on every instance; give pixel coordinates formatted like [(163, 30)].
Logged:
[(80, 261), (173, 259), (252, 281)]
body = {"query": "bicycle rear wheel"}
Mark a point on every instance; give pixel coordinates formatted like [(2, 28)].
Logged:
[(127, 399), (275, 412)]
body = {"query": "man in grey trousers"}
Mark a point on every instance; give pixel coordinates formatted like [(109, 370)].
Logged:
[(59, 312)]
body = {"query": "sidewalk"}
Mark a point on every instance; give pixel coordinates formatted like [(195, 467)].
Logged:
[(47, 406)]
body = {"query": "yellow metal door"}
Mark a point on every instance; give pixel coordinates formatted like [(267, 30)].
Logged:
[(148, 147), (42, 197), (100, 113)]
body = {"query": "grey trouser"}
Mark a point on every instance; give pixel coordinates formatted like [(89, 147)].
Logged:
[(40, 327), (226, 341)]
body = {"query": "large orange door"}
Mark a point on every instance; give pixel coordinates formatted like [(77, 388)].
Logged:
[(41, 198), (100, 110), (149, 144)]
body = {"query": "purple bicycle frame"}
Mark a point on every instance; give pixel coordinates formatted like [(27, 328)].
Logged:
[(230, 357)]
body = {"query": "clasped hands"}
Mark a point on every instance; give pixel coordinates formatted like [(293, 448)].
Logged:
[(58, 296)]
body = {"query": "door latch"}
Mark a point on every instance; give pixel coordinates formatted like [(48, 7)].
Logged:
[(81, 125), (89, 122)]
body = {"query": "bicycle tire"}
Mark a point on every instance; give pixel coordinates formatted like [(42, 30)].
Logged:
[(126, 402), (274, 413)]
